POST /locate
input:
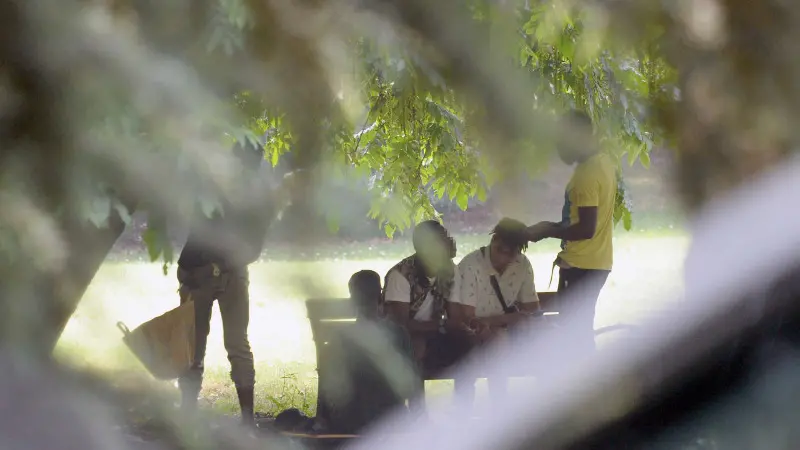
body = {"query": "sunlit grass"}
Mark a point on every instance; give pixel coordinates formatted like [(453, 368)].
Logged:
[(647, 272)]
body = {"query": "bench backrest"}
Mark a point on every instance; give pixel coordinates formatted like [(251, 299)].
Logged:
[(327, 316)]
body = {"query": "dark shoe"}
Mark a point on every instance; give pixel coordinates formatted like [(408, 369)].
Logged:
[(246, 402), (190, 391)]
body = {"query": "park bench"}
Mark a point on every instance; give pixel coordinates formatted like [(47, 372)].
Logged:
[(329, 317)]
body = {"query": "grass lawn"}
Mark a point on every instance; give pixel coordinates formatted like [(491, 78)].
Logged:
[(647, 273)]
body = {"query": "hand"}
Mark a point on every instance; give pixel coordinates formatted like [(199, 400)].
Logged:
[(479, 327), (540, 231), (481, 333)]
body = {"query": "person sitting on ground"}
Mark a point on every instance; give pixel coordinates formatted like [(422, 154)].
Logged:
[(497, 291), (374, 373), (417, 293)]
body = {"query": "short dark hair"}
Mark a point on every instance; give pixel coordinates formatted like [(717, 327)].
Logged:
[(511, 232), (365, 291)]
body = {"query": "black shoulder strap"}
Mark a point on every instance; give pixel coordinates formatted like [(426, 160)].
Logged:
[(496, 286)]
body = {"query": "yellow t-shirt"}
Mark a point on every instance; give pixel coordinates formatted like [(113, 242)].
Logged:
[(594, 183)]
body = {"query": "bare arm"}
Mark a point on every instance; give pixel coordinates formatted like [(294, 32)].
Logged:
[(398, 312), (580, 231)]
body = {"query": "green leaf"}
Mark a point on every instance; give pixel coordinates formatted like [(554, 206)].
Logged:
[(462, 199), (481, 192), (567, 47), (274, 158), (627, 220), (157, 242), (644, 158), (151, 239), (390, 230), (332, 223)]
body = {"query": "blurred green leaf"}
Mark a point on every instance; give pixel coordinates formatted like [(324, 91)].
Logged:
[(632, 157), (644, 158), (152, 242), (627, 221), (157, 242), (390, 230), (417, 140), (332, 223), (462, 200), (481, 192)]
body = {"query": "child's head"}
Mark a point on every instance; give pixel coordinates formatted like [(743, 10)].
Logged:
[(365, 291)]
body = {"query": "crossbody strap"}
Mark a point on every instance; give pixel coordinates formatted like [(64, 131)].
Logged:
[(506, 309), (496, 286)]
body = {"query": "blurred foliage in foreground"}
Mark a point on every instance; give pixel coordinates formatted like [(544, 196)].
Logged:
[(115, 107), (369, 97), (110, 107)]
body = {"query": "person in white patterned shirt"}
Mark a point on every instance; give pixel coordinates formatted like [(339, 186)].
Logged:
[(497, 291)]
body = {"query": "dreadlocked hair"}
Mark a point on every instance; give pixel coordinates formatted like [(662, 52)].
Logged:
[(511, 232)]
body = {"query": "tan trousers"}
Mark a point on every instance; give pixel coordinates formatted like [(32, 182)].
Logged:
[(230, 287)]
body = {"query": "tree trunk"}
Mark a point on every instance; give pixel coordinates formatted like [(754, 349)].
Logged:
[(61, 293)]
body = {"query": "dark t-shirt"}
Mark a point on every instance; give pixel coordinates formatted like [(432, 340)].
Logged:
[(232, 238)]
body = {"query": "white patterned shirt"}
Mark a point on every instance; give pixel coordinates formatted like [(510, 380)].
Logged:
[(399, 290), (516, 283)]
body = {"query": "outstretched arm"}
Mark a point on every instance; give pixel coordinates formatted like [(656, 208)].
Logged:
[(582, 230)]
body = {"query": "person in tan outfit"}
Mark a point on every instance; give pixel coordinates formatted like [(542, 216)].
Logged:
[(213, 267)]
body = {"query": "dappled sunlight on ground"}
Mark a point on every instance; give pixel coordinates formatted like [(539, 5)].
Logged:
[(647, 276)]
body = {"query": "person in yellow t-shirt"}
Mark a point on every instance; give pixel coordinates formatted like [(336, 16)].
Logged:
[(586, 227)]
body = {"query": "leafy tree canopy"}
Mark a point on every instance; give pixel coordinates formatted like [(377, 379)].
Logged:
[(383, 103)]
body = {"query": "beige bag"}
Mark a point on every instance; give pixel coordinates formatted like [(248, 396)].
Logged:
[(165, 344)]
